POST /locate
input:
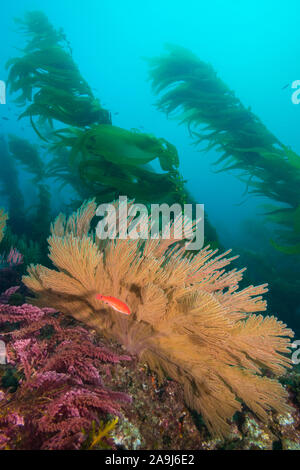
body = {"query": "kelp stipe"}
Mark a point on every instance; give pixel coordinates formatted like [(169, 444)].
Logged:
[(188, 319)]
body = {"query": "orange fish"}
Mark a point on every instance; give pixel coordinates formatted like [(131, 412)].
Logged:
[(115, 303)]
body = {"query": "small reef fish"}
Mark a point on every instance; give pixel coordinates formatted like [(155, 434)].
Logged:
[(115, 303)]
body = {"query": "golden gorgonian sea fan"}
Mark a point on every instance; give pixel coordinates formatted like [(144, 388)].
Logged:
[(189, 321)]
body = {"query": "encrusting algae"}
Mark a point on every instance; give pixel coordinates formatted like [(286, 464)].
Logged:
[(188, 319)]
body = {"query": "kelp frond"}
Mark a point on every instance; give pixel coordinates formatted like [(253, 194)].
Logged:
[(94, 157), (97, 436), (110, 161), (3, 219)]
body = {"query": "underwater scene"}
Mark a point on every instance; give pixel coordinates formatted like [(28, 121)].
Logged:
[(150, 225)]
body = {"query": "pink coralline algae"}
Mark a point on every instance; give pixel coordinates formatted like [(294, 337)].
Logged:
[(60, 393)]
